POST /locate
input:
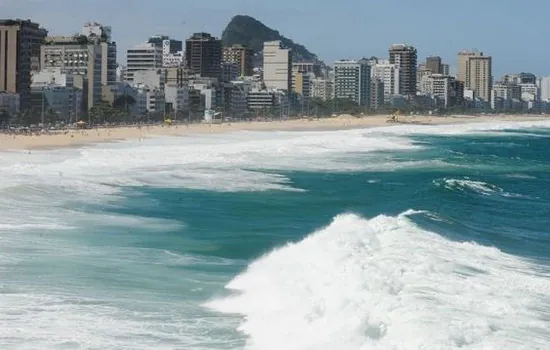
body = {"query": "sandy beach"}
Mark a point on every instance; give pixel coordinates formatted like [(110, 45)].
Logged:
[(82, 137)]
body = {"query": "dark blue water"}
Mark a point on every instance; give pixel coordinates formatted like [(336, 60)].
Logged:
[(441, 243)]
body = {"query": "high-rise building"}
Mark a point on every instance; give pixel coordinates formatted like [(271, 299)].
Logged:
[(442, 87), (144, 56), (445, 69), (102, 35), (544, 85), (390, 77), (301, 85), (277, 66), (475, 70), (405, 57), (376, 94), (172, 50), (242, 56), (352, 81), (79, 57), (20, 42), (203, 55), (433, 63)]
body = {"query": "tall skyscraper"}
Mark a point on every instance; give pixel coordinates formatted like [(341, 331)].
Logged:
[(203, 55), (20, 42), (352, 81), (277, 66), (240, 55), (405, 57), (475, 70), (433, 63)]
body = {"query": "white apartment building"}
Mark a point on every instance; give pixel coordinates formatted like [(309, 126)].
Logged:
[(529, 92), (141, 57), (153, 78), (389, 75), (501, 96), (352, 81), (322, 89), (475, 70), (441, 87), (544, 86), (277, 67)]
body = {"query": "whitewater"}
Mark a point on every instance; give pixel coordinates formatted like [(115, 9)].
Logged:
[(400, 237)]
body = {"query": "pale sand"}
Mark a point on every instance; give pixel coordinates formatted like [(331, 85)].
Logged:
[(82, 137)]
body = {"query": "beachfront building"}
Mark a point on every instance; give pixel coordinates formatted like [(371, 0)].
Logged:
[(172, 50), (405, 57), (79, 57), (301, 85), (142, 57), (277, 67), (376, 94), (544, 86), (177, 99), (20, 42), (154, 78), (529, 92), (230, 71), (501, 97), (475, 70), (56, 91), (441, 88), (123, 95), (98, 33), (203, 55), (352, 81), (389, 74), (321, 89), (150, 102), (9, 106), (238, 99), (242, 56)]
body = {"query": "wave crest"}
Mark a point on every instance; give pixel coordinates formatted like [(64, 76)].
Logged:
[(382, 283)]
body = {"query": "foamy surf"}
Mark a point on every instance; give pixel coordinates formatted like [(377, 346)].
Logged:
[(385, 283)]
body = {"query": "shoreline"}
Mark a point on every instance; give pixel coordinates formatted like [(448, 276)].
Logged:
[(80, 138)]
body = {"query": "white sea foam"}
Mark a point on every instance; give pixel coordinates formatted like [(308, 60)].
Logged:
[(480, 187), (384, 283)]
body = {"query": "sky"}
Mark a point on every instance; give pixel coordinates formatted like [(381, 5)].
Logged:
[(513, 32)]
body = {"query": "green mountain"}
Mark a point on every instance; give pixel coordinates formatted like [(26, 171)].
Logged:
[(252, 33)]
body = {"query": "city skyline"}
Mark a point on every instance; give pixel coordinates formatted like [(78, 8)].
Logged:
[(382, 24)]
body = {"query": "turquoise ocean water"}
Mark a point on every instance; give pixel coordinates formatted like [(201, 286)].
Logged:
[(402, 237)]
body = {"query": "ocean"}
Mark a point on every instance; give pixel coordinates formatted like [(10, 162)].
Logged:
[(399, 237)]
